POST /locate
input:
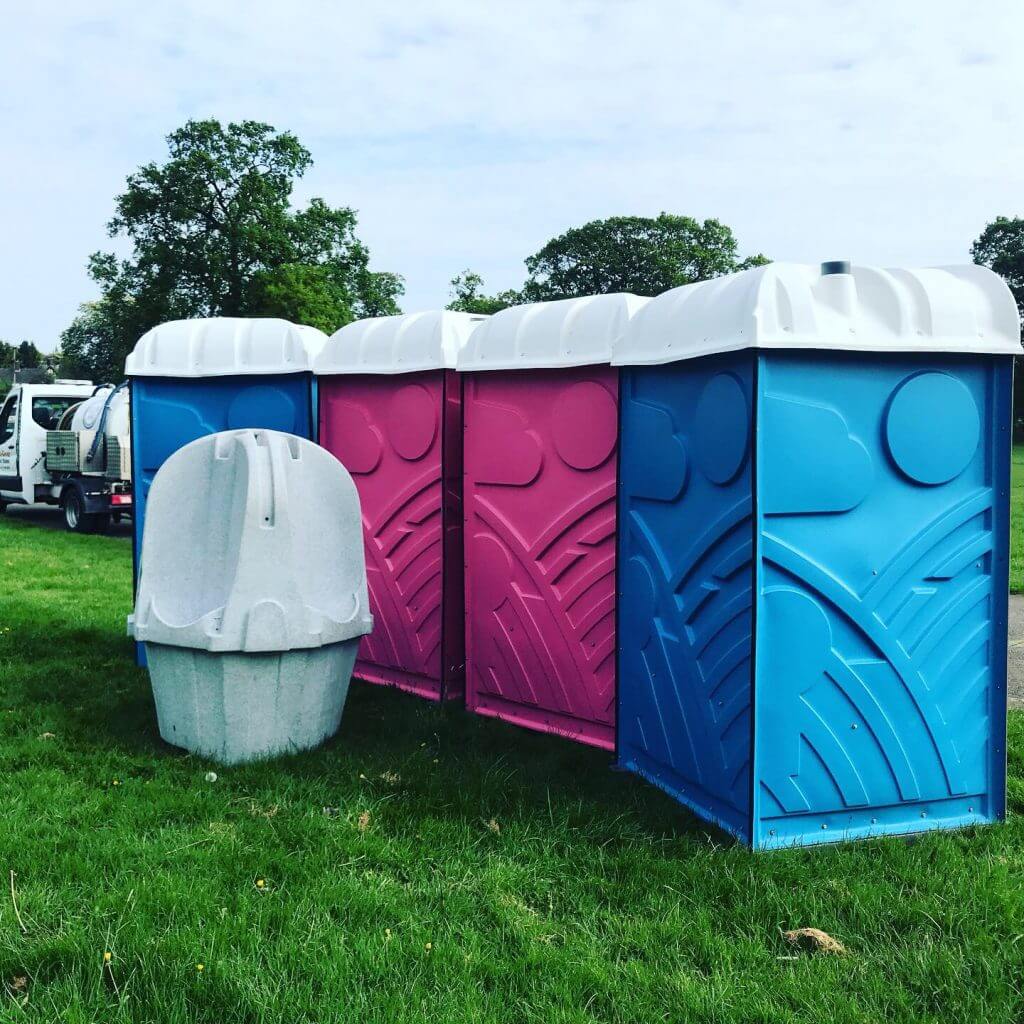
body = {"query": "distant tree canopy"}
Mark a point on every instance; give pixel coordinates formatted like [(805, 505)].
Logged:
[(643, 255), (1001, 248), (467, 295), (213, 233), (24, 356)]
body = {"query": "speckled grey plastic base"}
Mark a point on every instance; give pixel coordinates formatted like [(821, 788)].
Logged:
[(236, 707)]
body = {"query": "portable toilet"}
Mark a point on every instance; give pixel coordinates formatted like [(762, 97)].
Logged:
[(540, 404), (813, 549), (390, 411), (190, 378)]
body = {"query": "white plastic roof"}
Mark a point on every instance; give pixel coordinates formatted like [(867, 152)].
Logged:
[(569, 332), (794, 305), (224, 346), (397, 344)]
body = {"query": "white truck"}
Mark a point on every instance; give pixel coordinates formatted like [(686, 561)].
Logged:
[(67, 444)]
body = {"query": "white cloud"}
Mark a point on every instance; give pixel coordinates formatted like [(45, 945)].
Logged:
[(468, 133)]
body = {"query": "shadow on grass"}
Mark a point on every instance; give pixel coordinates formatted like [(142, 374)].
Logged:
[(445, 756)]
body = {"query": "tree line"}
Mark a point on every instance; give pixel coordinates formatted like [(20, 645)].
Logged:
[(212, 231)]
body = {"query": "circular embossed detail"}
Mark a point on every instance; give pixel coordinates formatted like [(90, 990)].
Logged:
[(932, 427), (262, 406), (585, 425), (348, 435), (721, 429), (412, 422)]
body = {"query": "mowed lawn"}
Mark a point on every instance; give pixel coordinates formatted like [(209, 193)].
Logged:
[(427, 866)]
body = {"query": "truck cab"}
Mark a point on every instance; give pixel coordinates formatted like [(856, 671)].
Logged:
[(31, 416)]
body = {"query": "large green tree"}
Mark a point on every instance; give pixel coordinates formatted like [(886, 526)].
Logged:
[(213, 233), (1001, 248), (643, 255)]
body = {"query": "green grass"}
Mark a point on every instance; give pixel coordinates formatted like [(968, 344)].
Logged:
[(549, 888), (1017, 520)]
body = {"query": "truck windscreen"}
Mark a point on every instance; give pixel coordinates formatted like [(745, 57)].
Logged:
[(47, 410)]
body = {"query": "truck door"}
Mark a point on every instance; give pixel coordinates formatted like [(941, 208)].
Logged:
[(10, 478)]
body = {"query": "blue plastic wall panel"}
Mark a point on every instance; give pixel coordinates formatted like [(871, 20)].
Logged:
[(170, 413), (686, 575), (882, 506)]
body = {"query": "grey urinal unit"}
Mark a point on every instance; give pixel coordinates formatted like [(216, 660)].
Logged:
[(252, 597)]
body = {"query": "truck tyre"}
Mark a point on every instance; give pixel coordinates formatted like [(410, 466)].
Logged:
[(76, 519)]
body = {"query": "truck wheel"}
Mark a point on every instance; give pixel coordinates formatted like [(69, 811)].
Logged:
[(73, 506)]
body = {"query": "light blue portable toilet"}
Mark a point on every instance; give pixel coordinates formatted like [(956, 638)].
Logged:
[(813, 549), (191, 378)]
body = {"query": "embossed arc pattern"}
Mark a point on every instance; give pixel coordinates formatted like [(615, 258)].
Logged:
[(686, 582), (388, 432), (881, 656), (540, 494)]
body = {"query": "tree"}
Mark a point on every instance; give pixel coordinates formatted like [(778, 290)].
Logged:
[(92, 347), (303, 294), (467, 295), (1000, 247), (29, 357), (643, 255), (213, 233)]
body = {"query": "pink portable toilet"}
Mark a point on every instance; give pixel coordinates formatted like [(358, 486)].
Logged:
[(540, 407), (390, 410)]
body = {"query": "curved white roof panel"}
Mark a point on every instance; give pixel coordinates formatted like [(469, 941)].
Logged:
[(223, 347), (397, 344), (569, 332), (835, 306)]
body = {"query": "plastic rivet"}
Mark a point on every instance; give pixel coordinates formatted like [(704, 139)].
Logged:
[(874, 821), (924, 814), (823, 825), (771, 831), (853, 725)]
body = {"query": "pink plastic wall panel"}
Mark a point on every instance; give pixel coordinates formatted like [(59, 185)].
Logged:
[(393, 433), (540, 482)]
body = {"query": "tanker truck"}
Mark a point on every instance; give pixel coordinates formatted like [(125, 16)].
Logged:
[(67, 444)]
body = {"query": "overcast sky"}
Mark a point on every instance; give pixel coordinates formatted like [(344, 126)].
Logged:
[(466, 133)]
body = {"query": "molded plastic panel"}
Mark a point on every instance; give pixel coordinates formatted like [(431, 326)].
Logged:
[(881, 631), (540, 487), (686, 582), (564, 333), (224, 346), (167, 414), (796, 306), (401, 344), (396, 434)]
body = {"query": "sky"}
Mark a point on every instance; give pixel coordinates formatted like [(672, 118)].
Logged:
[(466, 133)]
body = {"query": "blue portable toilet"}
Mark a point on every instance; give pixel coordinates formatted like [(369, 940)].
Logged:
[(813, 549), (190, 378)]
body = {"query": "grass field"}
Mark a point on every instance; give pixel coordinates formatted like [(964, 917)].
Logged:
[(426, 866)]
